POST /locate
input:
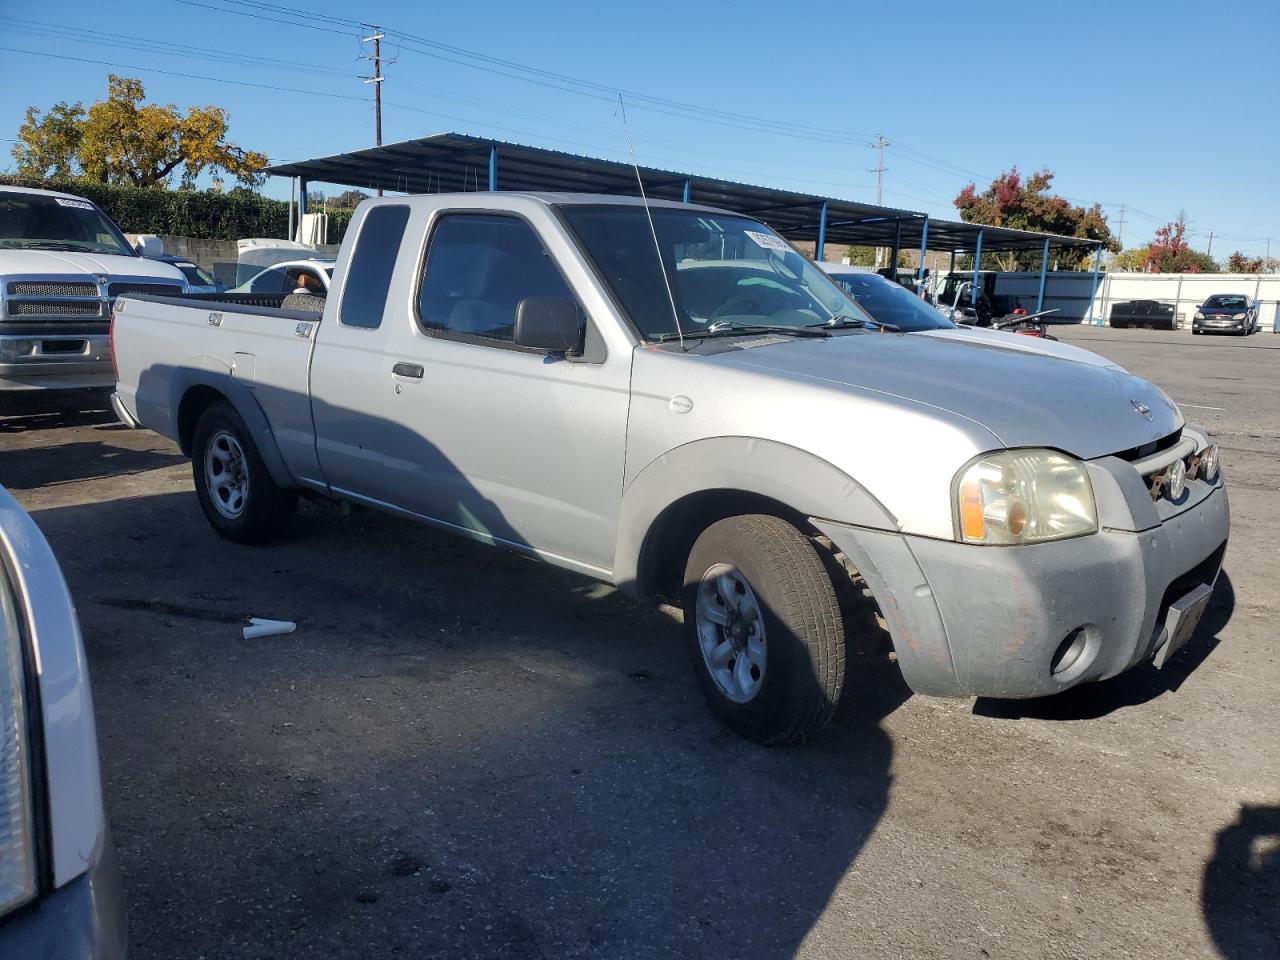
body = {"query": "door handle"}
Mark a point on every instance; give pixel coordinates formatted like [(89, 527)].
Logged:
[(413, 370)]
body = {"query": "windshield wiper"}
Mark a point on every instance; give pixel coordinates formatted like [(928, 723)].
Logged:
[(842, 321), (727, 328), (51, 245)]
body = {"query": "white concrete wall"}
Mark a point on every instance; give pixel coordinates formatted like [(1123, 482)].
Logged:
[(1068, 291), (1187, 291)]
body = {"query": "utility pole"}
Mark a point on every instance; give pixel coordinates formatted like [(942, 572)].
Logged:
[(1120, 227), (880, 144), (376, 80), (1209, 251)]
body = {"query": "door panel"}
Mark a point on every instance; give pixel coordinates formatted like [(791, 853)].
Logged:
[(511, 445)]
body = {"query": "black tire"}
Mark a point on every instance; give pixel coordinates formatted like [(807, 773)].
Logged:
[(267, 508), (804, 634)]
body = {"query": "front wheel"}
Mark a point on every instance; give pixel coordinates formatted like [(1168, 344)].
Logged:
[(763, 628), (237, 493)]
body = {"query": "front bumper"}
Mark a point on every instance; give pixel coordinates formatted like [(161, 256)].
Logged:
[(54, 361), (1220, 323), (972, 620), (83, 920)]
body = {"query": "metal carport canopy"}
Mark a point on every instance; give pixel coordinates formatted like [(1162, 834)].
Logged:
[(454, 162)]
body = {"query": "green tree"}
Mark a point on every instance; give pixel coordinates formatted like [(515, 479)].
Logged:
[(1027, 205), (1133, 260), (349, 199), (123, 140), (860, 256), (1239, 263)]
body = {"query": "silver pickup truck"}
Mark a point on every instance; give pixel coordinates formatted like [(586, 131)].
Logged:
[(671, 399)]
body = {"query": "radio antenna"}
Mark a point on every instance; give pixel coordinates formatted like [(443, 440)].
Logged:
[(657, 247)]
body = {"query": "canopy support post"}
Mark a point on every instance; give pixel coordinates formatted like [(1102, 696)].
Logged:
[(685, 198), (822, 233), (1044, 264), (924, 247), (1093, 287), (493, 167), (977, 268)]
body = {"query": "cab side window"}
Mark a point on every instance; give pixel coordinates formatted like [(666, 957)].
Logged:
[(478, 268), (364, 295)]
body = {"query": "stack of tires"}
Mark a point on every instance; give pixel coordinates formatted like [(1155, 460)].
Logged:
[(1150, 314)]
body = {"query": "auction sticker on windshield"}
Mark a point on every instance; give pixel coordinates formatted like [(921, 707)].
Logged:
[(78, 204), (767, 240)]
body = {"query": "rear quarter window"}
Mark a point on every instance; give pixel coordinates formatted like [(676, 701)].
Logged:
[(364, 294)]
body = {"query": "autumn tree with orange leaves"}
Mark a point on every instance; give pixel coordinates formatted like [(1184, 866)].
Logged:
[(1011, 201)]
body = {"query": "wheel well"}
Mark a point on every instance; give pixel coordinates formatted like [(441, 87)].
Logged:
[(671, 536), (194, 403)]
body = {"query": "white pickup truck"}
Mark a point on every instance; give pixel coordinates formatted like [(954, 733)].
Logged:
[(671, 399), (62, 264)]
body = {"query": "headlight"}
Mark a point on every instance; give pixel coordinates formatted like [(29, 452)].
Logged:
[(1237, 316), (1209, 462), (17, 845), (1023, 496), (1199, 315)]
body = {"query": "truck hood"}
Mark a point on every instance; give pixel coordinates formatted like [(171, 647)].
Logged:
[(67, 263), (1025, 397)]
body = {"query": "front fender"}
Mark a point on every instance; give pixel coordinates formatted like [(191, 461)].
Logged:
[(805, 483)]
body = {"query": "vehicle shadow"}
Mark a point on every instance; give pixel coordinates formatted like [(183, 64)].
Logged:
[(1241, 890), (47, 410), (1134, 687), (458, 753), (33, 467)]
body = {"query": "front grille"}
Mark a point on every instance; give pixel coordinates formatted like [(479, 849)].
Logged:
[(55, 308), (1147, 449), (156, 289), (52, 288)]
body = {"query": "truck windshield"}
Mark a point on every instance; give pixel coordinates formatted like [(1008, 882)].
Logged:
[(30, 221), (724, 271)]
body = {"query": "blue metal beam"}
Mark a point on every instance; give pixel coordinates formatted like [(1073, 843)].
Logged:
[(493, 166), (822, 233), (924, 246), (977, 268), (1044, 264), (686, 191), (302, 198), (897, 246), (1093, 287)]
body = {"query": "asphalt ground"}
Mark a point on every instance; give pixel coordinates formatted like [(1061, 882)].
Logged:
[(462, 754)]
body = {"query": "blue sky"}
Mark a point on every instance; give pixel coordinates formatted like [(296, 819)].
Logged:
[(1160, 107)]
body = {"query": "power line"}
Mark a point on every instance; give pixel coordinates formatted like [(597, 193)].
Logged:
[(563, 82)]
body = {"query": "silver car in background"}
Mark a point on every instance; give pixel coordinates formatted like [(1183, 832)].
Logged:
[(60, 894)]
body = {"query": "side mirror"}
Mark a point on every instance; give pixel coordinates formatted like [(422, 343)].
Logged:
[(553, 324)]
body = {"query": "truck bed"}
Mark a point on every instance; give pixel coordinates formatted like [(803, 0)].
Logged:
[(256, 354)]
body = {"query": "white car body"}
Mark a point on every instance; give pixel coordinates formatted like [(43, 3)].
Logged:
[(321, 269)]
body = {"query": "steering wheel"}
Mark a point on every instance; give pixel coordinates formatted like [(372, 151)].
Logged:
[(737, 305)]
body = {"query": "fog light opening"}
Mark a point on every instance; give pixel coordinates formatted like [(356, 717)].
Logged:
[(1074, 655)]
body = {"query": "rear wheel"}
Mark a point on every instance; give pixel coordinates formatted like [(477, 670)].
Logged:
[(763, 628), (237, 493)]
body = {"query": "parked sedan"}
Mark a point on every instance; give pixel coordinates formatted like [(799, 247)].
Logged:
[(60, 894), (1230, 312), (199, 280), (310, 276)]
